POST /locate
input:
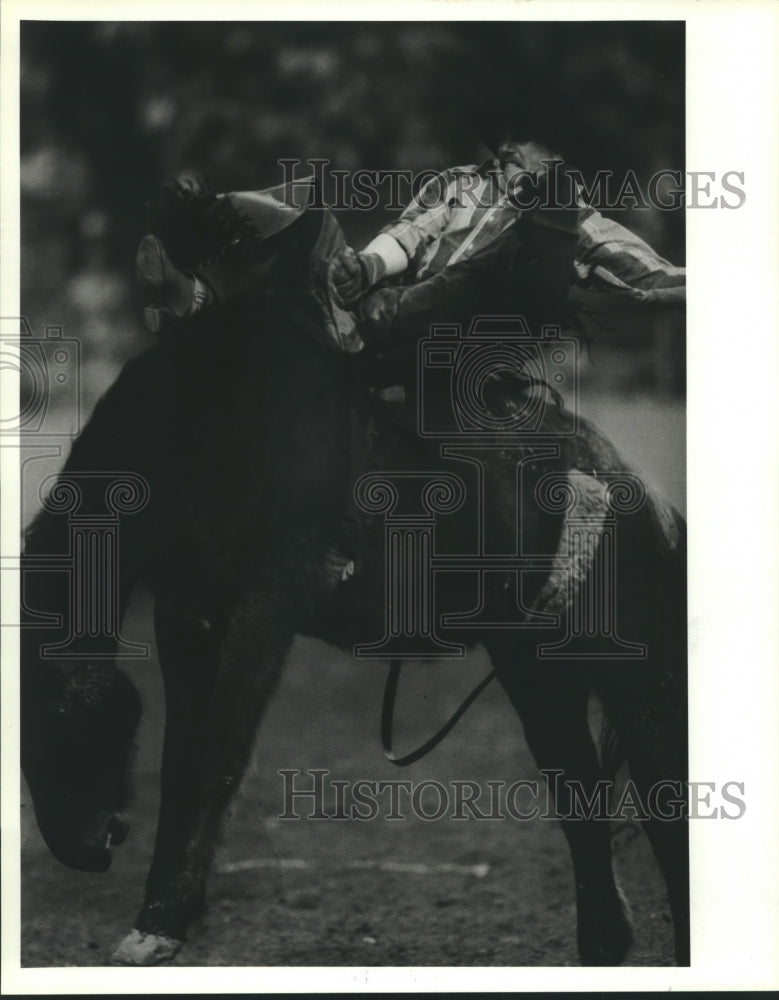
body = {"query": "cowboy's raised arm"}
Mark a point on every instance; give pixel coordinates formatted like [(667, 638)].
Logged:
[(611, 258)]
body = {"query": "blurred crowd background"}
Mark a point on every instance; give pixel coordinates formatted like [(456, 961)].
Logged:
[(109, 110)]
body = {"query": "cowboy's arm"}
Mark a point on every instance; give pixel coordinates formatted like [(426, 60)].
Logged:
[(353, 274), (610, 257), (391, 252), (397, 245), (424, 218)]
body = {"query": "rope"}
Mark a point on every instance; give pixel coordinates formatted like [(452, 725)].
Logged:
[(388, 711)]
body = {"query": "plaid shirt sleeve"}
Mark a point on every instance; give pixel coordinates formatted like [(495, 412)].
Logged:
[(424, 218), (611, 258)]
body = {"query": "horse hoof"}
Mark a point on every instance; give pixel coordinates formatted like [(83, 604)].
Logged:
[(606, 937), (145, 949)]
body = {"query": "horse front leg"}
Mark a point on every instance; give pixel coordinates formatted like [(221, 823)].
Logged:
[(552, 704), (215, 694)]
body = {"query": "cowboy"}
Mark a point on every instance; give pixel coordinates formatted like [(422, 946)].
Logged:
[(471, 218), (515, 226)]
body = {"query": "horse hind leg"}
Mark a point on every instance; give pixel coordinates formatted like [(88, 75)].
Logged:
[(652, 727), (671, 845), (552, 704)]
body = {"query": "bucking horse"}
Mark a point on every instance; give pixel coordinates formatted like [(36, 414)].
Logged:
[(242, 451)]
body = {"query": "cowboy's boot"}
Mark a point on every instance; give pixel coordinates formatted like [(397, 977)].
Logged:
[(172, 293), (224, 235)]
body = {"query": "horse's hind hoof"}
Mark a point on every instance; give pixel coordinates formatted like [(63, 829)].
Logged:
[(606, 936), (145, 949)]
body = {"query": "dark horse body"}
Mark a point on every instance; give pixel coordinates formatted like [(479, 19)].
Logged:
[(240, 430)]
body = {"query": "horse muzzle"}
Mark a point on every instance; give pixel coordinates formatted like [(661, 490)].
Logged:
[(91, 855)]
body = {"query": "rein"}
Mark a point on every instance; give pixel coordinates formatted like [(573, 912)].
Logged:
[(388, 712)]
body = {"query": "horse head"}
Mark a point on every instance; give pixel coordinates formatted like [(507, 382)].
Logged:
[(78, 723)]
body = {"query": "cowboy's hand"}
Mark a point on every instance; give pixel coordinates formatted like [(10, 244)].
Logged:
[(353, 274)]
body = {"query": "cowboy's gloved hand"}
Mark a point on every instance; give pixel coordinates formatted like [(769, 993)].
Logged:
[(353, 274), (380, 315)]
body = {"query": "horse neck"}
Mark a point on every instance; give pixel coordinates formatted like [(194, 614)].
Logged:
[(86, 544)]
